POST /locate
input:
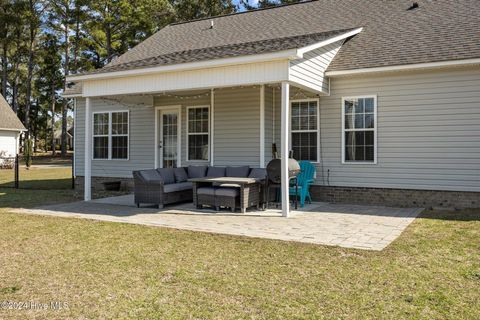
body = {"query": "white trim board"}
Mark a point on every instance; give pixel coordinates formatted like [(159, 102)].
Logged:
[(406, 67)]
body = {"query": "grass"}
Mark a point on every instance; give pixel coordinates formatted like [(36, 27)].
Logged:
[(38, 178), (120, 271)]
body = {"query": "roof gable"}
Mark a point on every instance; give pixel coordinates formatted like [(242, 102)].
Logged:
[(8, 118)]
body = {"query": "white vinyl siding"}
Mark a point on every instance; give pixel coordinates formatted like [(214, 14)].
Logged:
[(8, 142), (237, 126), (269, 134), (428, 131), (222, 76), (236, 123), (141, 136), (428, 128), (310, 70)]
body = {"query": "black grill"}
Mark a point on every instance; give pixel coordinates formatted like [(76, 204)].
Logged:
[(274, 170)]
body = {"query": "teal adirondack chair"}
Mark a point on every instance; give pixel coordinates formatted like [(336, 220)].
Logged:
[(305, 179)]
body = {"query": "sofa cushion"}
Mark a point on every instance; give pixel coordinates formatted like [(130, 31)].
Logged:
[(258, 173), (239, 172), (180, 174), (167, 175), (216, 172), (180, 186), (151, 175), (197, 171), (227, 192), (206, 191)]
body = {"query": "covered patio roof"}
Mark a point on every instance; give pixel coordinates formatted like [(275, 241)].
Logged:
[(301, 60)]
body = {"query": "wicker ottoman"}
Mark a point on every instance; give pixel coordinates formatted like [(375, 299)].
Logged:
[(227, 197), (205, 196)]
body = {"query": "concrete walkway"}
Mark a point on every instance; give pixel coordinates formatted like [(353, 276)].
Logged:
[(350, 226)]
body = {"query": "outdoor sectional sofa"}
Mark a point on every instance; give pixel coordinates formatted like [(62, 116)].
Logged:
[(170, 185)]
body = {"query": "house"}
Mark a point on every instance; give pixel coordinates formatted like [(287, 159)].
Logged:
[(10, 129), (384, 97), (57, 136)]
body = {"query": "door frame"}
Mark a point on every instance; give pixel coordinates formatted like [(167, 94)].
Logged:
[(158, 111)]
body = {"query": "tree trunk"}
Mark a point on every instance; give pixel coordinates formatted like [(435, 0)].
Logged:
[(15, 89), (65, 101), (4, 69), (28, 97), (35, 128), (53, 119), (108, 35)]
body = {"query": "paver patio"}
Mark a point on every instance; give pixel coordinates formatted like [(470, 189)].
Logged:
[(345, 225)]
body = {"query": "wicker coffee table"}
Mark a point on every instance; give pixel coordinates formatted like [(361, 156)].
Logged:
[(249, 191)]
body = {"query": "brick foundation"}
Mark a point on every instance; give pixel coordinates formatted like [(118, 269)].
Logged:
[(375, 196), (397, 197), (127, 183)]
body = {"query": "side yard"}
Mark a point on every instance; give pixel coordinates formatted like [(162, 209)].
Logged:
[(112, 270)]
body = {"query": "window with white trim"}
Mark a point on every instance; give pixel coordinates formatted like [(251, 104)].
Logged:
[(359, 129), (110, 135), (198, 131), (304, 130)]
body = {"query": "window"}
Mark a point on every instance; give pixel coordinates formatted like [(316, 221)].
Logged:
[(110, 135), (198, 133), (359, 129), (304, 126)]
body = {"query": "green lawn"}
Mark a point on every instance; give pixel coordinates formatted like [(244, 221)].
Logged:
[(114, 271)]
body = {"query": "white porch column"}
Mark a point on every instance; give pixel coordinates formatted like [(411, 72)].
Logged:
[(284, 146), (88, 151), (212, 125), (262, 126)]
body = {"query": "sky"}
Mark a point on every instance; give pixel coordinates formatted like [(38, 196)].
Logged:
[(251, 2)]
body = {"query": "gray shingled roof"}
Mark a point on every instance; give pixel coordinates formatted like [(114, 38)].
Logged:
[(438, 30), (232, 50), (8, 118)]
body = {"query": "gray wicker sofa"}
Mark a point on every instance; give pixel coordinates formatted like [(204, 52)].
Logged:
[(170, 185)]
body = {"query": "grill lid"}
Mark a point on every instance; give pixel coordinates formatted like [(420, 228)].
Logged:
[(274, 169)]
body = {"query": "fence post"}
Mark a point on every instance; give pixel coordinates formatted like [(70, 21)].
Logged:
[(73, 172), (16, 171)]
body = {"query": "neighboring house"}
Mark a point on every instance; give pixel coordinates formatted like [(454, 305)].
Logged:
[(57, 136), (10, 129), (383, 96)]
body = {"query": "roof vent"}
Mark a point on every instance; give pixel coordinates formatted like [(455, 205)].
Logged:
[(414, 6), (211, 24)]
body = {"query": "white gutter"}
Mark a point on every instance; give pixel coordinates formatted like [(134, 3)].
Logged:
[(291, 54), (405, 67), (10, 129)]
